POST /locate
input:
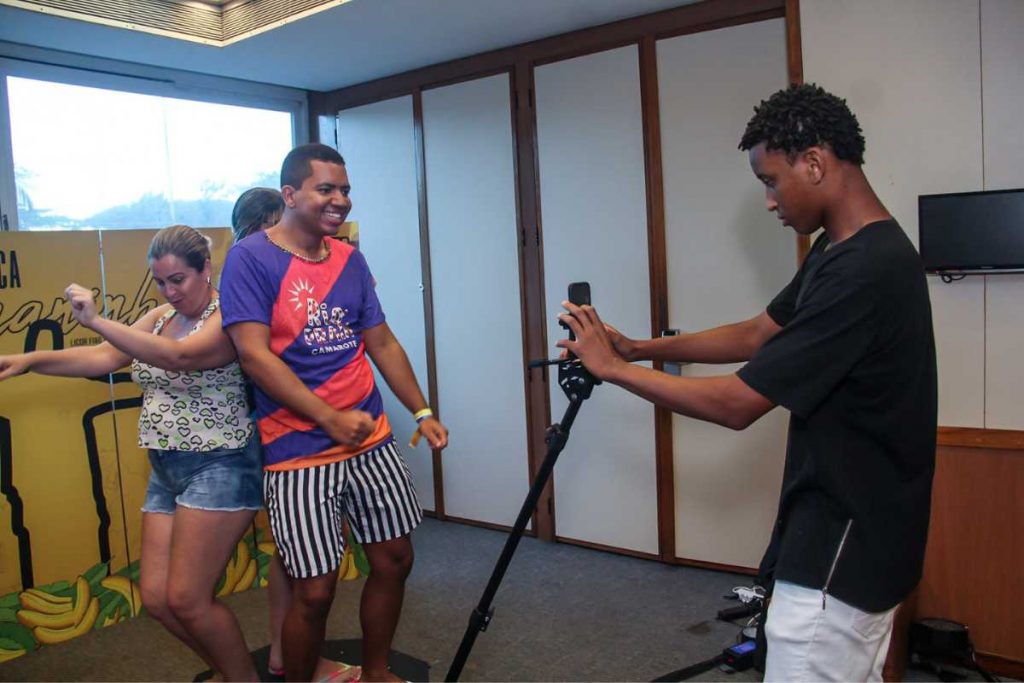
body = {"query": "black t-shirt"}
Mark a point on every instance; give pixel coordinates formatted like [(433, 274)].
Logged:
[(854, 363)]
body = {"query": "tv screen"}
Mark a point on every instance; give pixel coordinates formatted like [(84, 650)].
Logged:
[(972, 231)]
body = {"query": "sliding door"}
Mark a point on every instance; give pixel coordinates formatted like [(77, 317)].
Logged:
[(594, 223), (727, 257), (474, 257)]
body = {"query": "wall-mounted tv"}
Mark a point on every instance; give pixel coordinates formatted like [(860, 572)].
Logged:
[(972, 232)]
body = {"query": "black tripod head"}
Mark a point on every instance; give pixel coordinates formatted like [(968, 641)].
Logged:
[(575, 380)]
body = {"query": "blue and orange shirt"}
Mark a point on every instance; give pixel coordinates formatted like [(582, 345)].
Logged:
[(316, 313)]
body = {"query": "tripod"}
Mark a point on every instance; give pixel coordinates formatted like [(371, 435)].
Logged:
[(577, 383)]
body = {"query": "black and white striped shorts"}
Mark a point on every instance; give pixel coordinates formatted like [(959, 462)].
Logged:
[(306, 507)]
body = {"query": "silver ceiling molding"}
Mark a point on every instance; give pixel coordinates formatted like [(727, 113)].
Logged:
[(211, 22)]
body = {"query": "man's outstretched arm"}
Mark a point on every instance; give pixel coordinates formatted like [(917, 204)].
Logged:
[(734, 343), (725, 400)]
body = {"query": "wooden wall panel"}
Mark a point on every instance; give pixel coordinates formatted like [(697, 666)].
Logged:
[(975, 553)]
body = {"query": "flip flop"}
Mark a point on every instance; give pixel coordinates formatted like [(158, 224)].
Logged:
[(333, 677), (343, 668)]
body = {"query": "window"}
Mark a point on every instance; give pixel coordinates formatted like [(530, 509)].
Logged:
[(87, 157)]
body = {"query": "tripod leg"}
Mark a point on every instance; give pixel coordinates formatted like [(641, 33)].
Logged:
[(481, 616)]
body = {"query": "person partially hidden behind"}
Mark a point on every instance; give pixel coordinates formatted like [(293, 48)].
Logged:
[(302, 311), (256, 209), (847, 347)]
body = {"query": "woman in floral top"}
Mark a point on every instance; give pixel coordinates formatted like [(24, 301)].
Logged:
[(205, 483)]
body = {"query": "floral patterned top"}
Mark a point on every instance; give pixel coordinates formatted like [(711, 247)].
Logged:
[(195, 410)]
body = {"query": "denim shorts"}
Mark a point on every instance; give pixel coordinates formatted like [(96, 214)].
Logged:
[(224, 480)]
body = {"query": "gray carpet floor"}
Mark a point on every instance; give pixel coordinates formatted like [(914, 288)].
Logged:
[(563, 613)]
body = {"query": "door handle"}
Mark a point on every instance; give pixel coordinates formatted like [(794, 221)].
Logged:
[(672, 367)]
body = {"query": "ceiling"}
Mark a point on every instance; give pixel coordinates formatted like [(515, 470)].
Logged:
[(352, 43)]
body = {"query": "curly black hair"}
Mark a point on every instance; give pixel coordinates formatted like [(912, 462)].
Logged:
[(803, 116)]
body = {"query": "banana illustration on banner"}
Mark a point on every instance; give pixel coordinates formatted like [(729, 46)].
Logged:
[(348, 570), (240, 574), (58, 612), (55, 613), (54, 618), (123, 586)]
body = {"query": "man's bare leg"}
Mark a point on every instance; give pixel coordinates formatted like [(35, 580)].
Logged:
[(305, 625), (381, 605)]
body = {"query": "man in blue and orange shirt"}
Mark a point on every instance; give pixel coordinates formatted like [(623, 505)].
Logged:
[(302, 313)]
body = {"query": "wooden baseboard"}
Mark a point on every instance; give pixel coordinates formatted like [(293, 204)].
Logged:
[(609, 548), (680, 561), (487, 525), (1001, 666), (716, 566)]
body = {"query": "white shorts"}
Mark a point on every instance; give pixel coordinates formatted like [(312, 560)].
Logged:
[(809, 642)]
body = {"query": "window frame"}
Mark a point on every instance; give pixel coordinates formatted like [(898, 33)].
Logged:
[(136, 79)]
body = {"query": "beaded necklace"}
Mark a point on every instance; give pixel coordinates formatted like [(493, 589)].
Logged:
[(319, 259)]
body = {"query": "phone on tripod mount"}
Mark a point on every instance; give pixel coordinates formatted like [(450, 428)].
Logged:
[(579, 294), (574, 379)]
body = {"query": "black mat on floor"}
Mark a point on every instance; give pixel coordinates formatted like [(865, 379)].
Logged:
[(348, 651)]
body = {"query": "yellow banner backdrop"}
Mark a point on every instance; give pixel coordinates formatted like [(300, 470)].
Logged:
[(72, 478)]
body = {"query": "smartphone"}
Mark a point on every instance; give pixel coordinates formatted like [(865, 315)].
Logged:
[(579, 294)]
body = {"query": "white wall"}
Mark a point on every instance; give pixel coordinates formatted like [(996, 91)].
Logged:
[(1002, 63), (937, 89)]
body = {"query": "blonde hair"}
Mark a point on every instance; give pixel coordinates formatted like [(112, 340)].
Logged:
[(188, 244)]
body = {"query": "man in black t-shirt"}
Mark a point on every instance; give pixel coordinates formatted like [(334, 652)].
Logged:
[(847, 347)]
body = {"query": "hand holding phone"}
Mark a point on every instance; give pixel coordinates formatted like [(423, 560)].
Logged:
[(569, 374)]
